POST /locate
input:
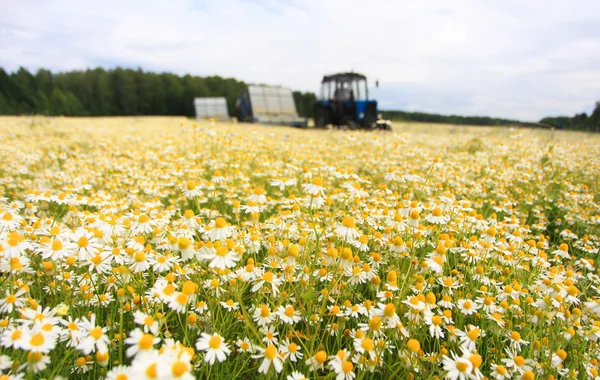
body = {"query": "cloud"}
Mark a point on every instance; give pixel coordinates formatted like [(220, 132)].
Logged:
[(512, 59)]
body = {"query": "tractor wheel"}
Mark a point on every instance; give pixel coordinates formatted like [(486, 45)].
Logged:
[(321, 118), (350, 123)]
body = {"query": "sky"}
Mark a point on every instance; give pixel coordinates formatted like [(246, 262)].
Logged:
[(513, 59)]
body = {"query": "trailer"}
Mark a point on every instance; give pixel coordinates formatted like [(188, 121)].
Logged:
[(211, 108), (268, 105)]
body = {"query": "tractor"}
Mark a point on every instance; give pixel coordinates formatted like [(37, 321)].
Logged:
[(344, 102)]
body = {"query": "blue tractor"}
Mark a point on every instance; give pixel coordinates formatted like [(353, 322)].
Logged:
[(344, 102)]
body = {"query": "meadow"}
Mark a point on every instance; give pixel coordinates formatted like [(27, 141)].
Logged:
[(164, 248)]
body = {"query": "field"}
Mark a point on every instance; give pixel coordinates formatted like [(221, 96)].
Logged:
[(154, 248)]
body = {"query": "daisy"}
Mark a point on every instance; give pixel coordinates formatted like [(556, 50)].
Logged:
[(270, 358), (291, 351), (436, 217), (86, 244), (347, 229), (252, 207), (499, 372), (468, 339), (288, 315), (224, 258), (295, 375), (120, 372), (12, 301), (365, 346), (317, 361), (142, 225), (39, 340), (217, 177), (215, 347), (262, 315), (230, 305), (268, 279), (517, 363), (436, 263), (218, 230), (457, 367), (140, 261), (315, 188), (388, 312), (283, 183), (362, 244), (10, 221), (13, 337), (270, 335), (342, 366), (37, 362), (72, 333), (140, 342), (258, 196), (244, 345), (515, 340), (94, 337), (467, 306), (56, 248), (435, 323), (16, 245), (179, 302), (192, 189)]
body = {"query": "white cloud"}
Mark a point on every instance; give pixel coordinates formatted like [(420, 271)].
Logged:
[(513, 59)]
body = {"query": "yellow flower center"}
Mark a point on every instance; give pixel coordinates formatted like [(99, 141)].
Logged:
[(474, 334), (347, 367), (179, 368), (34, 357), (57, 245), (37, 339), (349, 222), (222, 251), (368, 344), (389, 310), (519, 361), (215, 342), (462, 366), (220, 222), (289, 311), (183, 243), (146, 341), (140, 256), (264, 311), (96, 333), (271, 352), (83, 242)]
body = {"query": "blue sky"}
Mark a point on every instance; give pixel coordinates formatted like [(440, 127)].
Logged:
[(513, 59)]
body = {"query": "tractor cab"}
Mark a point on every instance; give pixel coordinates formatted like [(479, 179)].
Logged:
[(344, 101)]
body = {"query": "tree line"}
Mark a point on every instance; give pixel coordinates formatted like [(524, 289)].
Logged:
[(100, 92), (581, 121)]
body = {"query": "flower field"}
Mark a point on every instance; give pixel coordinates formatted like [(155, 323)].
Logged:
[(154, 248)]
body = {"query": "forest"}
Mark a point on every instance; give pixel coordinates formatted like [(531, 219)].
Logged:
[(117, 92)]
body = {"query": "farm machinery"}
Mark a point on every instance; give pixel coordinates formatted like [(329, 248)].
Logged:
[(344, 102)]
